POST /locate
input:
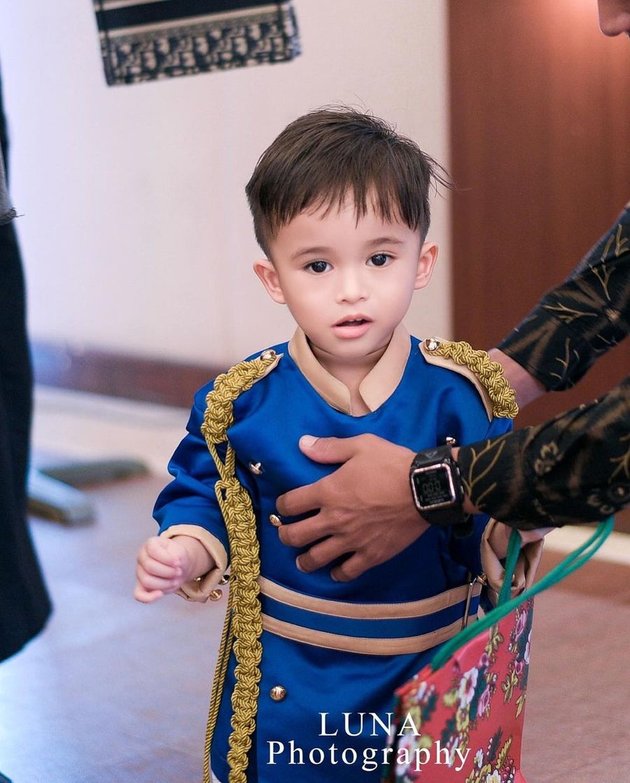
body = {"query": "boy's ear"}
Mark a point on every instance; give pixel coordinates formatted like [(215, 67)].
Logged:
[(268, 275), (426, 263)]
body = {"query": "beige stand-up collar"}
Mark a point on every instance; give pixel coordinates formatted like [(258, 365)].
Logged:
[(375, 388)]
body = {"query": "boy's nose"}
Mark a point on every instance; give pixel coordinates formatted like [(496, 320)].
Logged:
[(351, 287)]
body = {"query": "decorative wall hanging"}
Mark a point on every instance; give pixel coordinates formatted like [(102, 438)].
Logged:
[(142, 40)]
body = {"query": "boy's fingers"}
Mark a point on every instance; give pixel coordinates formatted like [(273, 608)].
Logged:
[(150, 582), (158, 550), (161, 549), (146, 596), (149, 589), (157, 568)]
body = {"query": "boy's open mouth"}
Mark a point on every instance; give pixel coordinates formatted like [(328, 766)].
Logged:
[(354, 321)]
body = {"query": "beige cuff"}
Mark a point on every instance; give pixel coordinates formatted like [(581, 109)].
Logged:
[(526, 565), (202, 588)]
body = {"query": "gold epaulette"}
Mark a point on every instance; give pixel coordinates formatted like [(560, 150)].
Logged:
[(227, 387), (498, 397), (243, 622)]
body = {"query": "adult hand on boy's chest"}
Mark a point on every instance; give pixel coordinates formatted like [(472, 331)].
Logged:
[(366, 511)]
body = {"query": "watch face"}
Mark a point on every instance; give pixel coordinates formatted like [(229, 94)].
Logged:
[(433, 486)]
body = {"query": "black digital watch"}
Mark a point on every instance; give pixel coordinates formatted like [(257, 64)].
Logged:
[(437, 488)]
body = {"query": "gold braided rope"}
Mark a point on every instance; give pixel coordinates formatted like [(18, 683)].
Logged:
[(489, 373), (243, 625)]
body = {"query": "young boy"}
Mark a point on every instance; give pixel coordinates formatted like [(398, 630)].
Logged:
[(341, 208)]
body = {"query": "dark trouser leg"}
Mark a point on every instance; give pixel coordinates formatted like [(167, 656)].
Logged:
[(24, 603)]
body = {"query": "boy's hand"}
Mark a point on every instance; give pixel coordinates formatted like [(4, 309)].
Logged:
[(163, 566)]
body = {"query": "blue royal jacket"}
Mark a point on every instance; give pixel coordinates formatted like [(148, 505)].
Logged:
[(333, 652)]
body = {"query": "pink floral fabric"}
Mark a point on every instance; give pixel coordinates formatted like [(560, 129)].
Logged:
[(464, 722)]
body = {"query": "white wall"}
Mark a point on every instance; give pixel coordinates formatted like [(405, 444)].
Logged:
[(135, 230)]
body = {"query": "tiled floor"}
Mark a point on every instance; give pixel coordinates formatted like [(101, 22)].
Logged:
[(117, 692), (112, 691)]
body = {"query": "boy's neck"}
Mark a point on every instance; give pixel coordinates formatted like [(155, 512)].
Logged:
[(353, 389), (351, 375)]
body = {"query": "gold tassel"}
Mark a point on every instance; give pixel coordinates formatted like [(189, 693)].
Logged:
[(243, 624)]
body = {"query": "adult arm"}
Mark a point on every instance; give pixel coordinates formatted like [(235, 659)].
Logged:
[(575, 467), (576, 322)]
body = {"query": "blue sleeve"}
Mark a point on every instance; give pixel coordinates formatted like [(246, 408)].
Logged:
[(190, 498)]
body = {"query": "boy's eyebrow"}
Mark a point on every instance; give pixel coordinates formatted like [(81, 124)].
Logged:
[(384, 241), (308, 251), (322, 250)]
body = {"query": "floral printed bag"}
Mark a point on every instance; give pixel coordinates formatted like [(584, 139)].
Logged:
[(460, 719)]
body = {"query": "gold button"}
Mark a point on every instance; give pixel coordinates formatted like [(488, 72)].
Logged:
[(275, 520), (278, 692), (256, 468), (268, 354), (216, 595)]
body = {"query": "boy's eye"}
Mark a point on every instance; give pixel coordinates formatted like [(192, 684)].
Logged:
[(318, 266), (379, 259)]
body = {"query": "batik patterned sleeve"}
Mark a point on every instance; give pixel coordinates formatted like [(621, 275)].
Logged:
[(580, 319), (574, 468)]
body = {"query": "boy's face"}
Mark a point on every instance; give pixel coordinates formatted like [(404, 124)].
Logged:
[(347, 283)]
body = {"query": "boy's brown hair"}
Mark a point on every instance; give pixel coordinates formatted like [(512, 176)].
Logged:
[(328, 153)]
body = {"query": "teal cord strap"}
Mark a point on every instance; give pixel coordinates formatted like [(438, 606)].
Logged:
[(514, 549), (571, 563)]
